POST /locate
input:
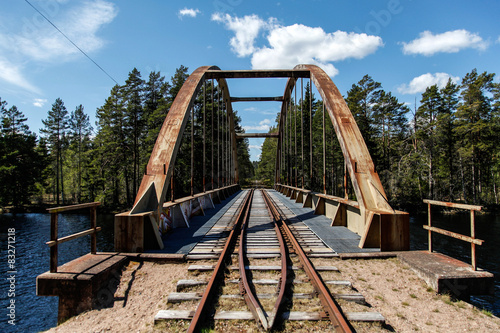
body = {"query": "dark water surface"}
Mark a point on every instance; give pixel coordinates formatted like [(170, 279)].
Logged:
[(487, 255), (34, 314)]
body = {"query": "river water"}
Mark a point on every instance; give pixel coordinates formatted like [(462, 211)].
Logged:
[(34, 314)]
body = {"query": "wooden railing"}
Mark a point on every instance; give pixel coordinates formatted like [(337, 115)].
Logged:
[(471, 239), (54, 241)]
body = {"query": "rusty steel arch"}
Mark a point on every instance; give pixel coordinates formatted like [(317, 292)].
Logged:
[(371, 216), (156, 180), (377, 222)]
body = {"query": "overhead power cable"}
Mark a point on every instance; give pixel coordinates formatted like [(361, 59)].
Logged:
[(62, 33)]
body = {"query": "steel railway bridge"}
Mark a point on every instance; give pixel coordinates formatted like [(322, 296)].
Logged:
[(369, 215)]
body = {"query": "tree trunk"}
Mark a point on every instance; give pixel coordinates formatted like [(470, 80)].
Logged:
[(62, 179), (463, 180), (57, 175), (474, 180), (431, 194), (494, 187)]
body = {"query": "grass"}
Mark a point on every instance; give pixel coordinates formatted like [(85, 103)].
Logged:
[(207, 330), (447, 299), (405, 303), (487, 313), (413, 296), (379, 297)]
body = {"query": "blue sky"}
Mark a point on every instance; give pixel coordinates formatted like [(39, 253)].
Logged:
[(406, 45)]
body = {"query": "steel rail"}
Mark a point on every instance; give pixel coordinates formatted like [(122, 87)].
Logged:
[(284, 267), (331, 308), (245, 290), (213, 283)]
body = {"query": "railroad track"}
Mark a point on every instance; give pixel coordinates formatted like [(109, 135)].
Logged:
[(264, 276)]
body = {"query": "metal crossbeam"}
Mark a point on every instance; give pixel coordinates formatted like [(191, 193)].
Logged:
[(256, 135), (257, 99), (267, 73)]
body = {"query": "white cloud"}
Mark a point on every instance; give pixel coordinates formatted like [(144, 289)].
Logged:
[(259, 147), (39, 41), (39, 102), (498, 40), (295, 44), (264, 125), (420, 83), (246, 30), (79, 24), (12, 74), (449, 42), (189, 12)]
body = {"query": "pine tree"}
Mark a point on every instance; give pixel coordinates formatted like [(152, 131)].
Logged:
[(445, 135), (80, 131), (156, 106), (56, 125), (476, 129), (361, 99), (267, 162), (426, 130), (20, 165), (133, 93), (391, 132), (111, 150)]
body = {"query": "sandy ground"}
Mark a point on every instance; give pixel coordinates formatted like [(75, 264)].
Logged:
[(142, 292), (408, 304), (389, 287)]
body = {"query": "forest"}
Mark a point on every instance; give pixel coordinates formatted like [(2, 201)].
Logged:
[(73, 161), (446, 148)]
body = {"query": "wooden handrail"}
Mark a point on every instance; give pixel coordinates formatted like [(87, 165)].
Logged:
[(344, 201), (470, 239), (72, 207), (452, 205), (197, 195), (74, 236), (454, 235), (55, 241)]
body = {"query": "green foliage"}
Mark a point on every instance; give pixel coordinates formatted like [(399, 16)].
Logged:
[(447, 151), (21, 163), (55, 129), (267, 163)]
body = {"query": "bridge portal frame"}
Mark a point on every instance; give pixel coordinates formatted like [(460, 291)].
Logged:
[(371, 217)]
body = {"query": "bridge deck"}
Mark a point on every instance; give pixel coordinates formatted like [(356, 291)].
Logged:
[(340, 239), (183, 240)]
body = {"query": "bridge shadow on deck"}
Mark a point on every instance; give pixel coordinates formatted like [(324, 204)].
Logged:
[(340, 239), (182, 240)]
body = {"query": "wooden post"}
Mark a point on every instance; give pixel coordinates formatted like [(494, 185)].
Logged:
[(430, 224), (324, 151), (53, 237), (473, 235), (93, 225), (302, 127)]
